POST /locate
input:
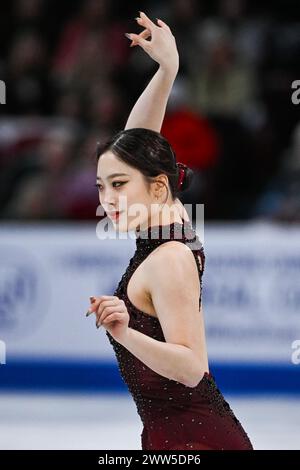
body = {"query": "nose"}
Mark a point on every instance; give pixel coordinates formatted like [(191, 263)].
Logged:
[(108, 200)]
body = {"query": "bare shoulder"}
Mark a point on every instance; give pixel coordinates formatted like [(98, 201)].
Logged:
[(172, 259), (171, 248)]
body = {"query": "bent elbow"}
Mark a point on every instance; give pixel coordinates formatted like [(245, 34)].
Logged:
[(194, 380), (192, 375)]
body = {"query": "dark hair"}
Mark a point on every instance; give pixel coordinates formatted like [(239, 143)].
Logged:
[(149, 152)]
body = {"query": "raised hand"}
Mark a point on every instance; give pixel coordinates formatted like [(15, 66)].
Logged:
[(111, 313), (162, 46)]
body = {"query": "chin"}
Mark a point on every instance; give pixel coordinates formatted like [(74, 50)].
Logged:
[(120, 226), (126, 226)]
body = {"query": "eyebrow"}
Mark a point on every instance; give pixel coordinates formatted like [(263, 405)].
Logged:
[(113, 175)]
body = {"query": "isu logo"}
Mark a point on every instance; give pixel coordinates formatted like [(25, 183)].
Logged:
[(22, 289)]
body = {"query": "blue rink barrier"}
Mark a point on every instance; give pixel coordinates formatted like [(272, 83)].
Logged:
[(52, 375)]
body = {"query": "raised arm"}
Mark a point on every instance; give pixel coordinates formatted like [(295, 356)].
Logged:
[(149, 110)]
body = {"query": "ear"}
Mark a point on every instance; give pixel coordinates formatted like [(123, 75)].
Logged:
[(160, 185)]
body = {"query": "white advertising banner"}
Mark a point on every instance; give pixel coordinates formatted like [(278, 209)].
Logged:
[(251, 290)]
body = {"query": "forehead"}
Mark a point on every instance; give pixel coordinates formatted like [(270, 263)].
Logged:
[(109, 163)]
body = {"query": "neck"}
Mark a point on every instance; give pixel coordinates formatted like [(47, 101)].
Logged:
[(160, 218)]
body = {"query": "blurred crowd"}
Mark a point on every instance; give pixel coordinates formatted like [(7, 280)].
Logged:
[(72, 80)]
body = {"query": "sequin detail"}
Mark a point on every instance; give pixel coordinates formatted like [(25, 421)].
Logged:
[(173, 415)]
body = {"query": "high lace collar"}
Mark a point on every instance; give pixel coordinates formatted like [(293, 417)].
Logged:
[(157, 234)]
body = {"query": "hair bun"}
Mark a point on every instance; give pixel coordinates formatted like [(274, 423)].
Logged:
[(185, 176)]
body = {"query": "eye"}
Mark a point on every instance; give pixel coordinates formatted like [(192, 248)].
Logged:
[(120, 183)]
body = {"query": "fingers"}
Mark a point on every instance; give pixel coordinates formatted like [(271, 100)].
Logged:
[(108, 312), (163, 24), (144, 20), (138, 39), (105, 304), (95, 302), (112, 317), (107, 308), (100, 317), (144, 34)]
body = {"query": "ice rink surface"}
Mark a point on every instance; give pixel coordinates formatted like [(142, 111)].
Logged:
[(107, 422)]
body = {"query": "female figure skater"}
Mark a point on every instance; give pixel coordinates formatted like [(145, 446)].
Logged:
[(154, 320)]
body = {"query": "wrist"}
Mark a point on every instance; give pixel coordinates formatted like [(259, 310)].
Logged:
[(125, 338), (170, 70)]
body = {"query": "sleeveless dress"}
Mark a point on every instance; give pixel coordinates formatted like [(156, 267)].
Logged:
[(174, 416)]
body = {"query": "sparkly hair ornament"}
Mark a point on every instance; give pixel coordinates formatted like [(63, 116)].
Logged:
[(181, 168)]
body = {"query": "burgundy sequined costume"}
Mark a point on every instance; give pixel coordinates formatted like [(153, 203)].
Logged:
[(174, 416)]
